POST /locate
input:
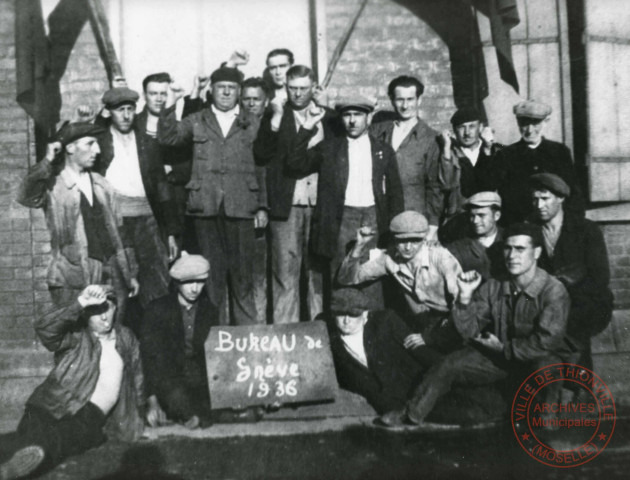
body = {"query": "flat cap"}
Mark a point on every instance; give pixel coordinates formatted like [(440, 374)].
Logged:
[(349, 301), (357, 102), (532, 109), (74, 131), (464, 115), (551, 182), (483, 199), (409, 224), (190, 267), (227, 74), (531, 230), (119, 95)]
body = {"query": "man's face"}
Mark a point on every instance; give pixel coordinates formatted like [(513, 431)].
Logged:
[(349, 325), (520, 254), (467, 134), (190, 291), (101, 319), (225, 95), (83, 152), (253, 100), (277, 67), (407, 248), (155, 96), (406, 102), (356, 122), (300, 92), (546, 205), (484, 220), (531, 129), (122, 117)]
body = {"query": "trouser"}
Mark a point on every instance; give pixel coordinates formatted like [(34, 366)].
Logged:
[(229, 245), (289, 254), (352, 219), (469, 366), (61, 438), (437, 330), (187, 395)]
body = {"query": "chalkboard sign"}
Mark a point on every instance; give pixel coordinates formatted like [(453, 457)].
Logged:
[(265, 364)]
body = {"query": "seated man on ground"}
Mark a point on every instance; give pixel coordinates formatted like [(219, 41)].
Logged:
[(95, 388), (512, 328)]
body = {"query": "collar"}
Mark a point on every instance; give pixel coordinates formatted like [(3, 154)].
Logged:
[(356, 141), (407, 126), (219, 113), (533, 289), (556, 222), (70, 178)]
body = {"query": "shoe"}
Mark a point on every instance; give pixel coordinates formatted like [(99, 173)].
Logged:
[(23, 462), (395, 419)]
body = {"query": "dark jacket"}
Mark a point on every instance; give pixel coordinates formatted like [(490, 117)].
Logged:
[(151, 158), (330, 159), (580, 261), (224, 176), (472, 255), (162, 340), (393, 370), (72, 381), (272, 149)]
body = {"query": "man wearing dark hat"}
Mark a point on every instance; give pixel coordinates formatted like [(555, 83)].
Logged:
[(466, 158), (227, 191), (172, 336), (512, 327), (416, 147), (358, 182), (87, 246), (532, 154), (482, 249), (575, 252)]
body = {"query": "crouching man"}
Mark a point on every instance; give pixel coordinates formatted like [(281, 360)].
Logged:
[(512, 327), (95, 388)]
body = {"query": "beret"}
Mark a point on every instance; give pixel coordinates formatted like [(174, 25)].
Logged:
[(190, 267), (358, 102), (483, 199), (551, 182), (531, 230), (349, 301), (227, 74), (73, 131), (464, 115), (409, 224), (119, 95), (532, 109)]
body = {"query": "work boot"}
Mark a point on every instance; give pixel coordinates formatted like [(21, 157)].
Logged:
[(22, 463), (395, 419)]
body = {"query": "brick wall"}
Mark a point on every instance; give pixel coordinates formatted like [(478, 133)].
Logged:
[(389, 41), (618, 242)]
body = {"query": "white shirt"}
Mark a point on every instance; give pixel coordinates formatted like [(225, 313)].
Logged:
[(226, 119), (354, 346), (110, 366), (124, 171), (400, 132), (472, 153), (84, 183), (487, 241), (359, 192), (305, 192)]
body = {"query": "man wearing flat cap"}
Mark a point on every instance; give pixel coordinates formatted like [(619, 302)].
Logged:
[(574, 252), (426, 272), (227, 193), (172, 335), (132, 162), (482, 249), (358, 182), (511, 328), (416, 147), (532, 154), (87, 243)]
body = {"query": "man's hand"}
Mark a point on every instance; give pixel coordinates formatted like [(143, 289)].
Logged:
[(277, 105), (320, 96), (414, 340), (52, 150), (175, 92), (92, 295), (261, 219), (487, 137), (173, 249), (155, 415), (135, 287), (490, 341), (238, 57), (119, 82), (84, 113), (364, 235), (447, 140), (467, 283), (314, 115), (200, 82)]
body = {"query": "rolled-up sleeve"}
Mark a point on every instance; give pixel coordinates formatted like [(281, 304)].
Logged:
[(353, 272)]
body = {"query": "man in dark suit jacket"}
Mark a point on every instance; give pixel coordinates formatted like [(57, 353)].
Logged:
[(292, 198), (172, 336), (358, 183)]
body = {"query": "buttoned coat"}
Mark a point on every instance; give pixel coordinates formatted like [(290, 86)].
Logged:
[(330, 159), (224, 176)]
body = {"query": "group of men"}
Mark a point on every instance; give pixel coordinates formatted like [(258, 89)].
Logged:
[(355, 203)]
